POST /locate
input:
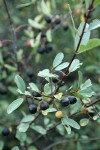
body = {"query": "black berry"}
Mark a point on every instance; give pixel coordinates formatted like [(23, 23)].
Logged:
[(3, 91), (65, 102), (91, 114), (65, 28), (72, 99), (57, 21), (5, 131), (48, 48), (48, 19), (44, 105), (30, 74), (32, 108), (54, 80), (40, 50), (36, 94), (43, 36), (53, 26)]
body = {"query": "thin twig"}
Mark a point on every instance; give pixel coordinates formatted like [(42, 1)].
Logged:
[(68, 140)]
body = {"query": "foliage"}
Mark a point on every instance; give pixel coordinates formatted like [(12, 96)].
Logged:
[(49, 80)]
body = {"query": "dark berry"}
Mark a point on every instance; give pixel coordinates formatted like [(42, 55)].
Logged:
[(43, 36), (48, 19), (83, 2), (72, 99), (44, 105), (65, 102), (65, 28), (48, 48), (91, 114), (57, 21), (3, 91), (54, 80), (32, 108), (30, 73), (40, 50), (5, 131), (53, 26), (36, 94)]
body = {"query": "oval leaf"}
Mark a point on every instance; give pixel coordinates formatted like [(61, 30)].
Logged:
[(34, 87), (84, 122), (90, 45), (28, 118), (70, 122), (58, 59), (23, 127), (15, 148), (14, 105), (62, 66), (35, 24), (75, 65), (39, 129), (45, 8), (20, 83)]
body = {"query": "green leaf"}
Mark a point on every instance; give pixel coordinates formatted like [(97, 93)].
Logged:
[(36, 41), (23, 127), (86, 35), (27, 93), (62, 66), (47, 89), (58, 96), (58, 59), (68, 129), (21, 136), (1, 145), (15, 148), (51, 110), (95, 24), (60, 129), (70, 122), (93, 43), (86, 84), (19, 54), (14, 105), (10, 68), (75, 65), (84, 122), (49, 35), (96, 3), (20, 83), (32, 148), (1, 58), (34, 87), (28, 118), (35, 24), (87, 3), (46, 121), (24, 5), (45, 9), (87, 92), (39, 129), (46, 73), (80, 78)]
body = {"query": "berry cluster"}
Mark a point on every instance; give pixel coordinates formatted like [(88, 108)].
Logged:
[(68, 100), (46, 49)]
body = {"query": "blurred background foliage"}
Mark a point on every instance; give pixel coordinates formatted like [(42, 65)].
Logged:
[(31, 61)]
